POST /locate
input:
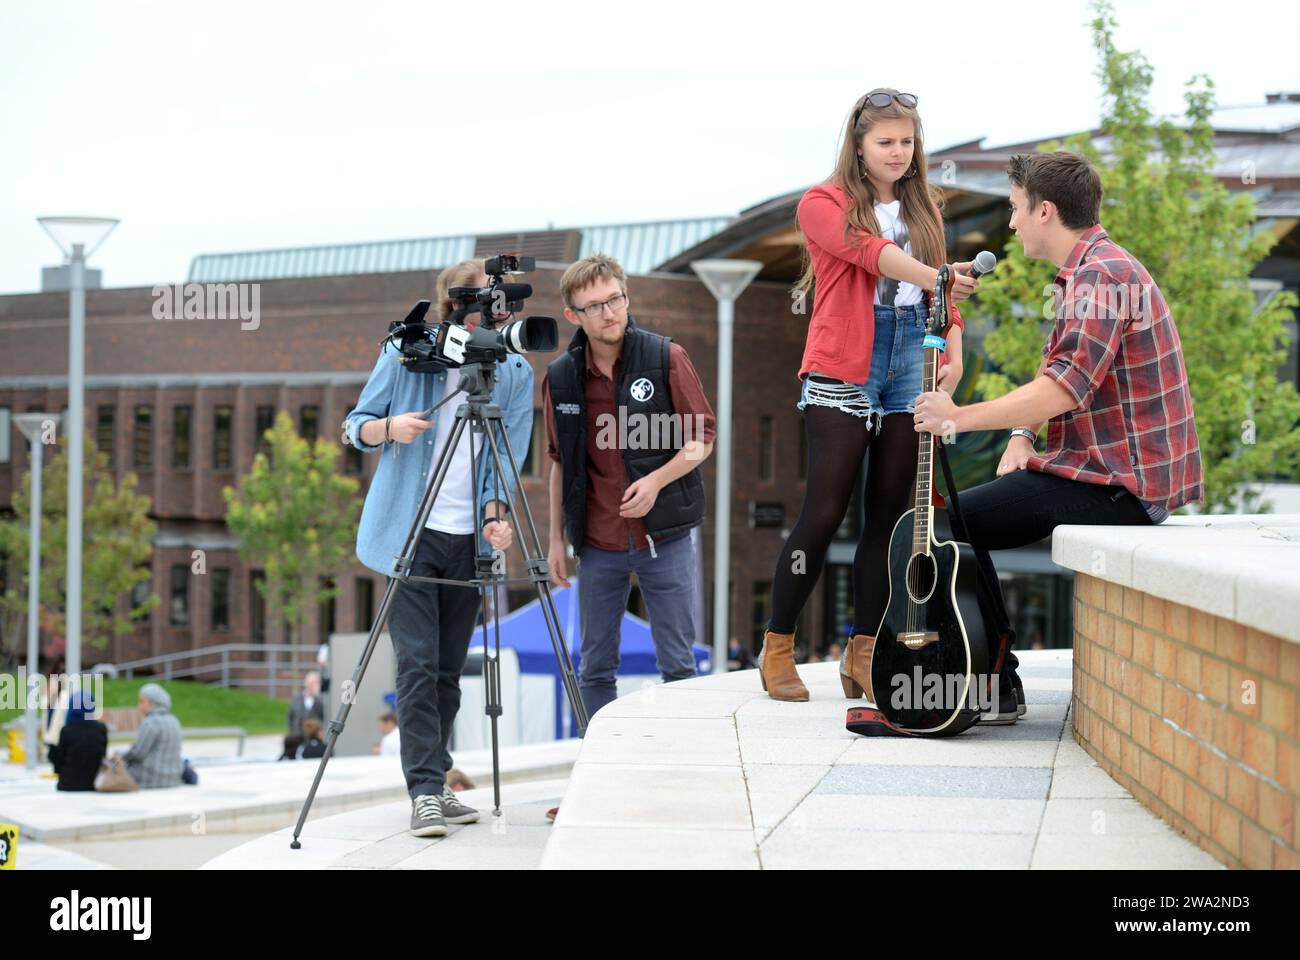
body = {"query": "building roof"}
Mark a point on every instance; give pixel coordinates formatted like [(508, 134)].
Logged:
[(639, 247), (1278, 115), (1257, 148)]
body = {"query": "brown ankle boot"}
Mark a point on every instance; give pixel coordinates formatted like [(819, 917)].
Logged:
[(776, 668), (855, 667)]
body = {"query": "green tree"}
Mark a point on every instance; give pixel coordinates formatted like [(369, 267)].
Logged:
[(1165, 206), (296, 518), (117, 545)]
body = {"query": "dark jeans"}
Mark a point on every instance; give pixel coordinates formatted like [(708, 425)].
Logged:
[(1024, 507), (431, 625), (668, 584)]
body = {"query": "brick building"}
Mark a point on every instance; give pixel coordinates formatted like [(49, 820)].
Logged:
[(183, 402)]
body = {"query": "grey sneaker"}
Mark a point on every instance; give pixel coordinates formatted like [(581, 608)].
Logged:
[(426, 817), (454, 811)]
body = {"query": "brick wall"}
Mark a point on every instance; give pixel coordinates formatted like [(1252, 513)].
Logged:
[(331, 325), (1196, 716)]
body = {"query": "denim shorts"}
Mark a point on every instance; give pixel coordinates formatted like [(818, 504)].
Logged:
[(897, 362)]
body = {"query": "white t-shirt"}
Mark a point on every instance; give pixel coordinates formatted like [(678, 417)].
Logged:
[(453, 511), (892, 228), (390, 745)]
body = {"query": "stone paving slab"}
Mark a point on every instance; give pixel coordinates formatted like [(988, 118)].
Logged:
[(657, 786), (253, 795), (378, 837)]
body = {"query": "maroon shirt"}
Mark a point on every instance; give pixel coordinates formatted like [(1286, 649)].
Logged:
[(1116, 351), (607, 478)]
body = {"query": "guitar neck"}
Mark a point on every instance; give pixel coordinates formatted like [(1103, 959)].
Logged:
[(924, 454), (924, 514)]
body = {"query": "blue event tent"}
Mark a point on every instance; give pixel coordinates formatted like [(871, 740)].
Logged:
[(525, 631)]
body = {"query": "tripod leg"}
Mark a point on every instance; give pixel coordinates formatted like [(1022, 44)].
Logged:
[(538, 571), (402, 568), (488, 573), (492, 687), (345, 707)]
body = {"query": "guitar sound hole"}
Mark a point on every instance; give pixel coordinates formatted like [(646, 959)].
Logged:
[(920, 577)]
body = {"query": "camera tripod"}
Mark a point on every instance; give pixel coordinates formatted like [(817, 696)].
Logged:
[(482, 416)]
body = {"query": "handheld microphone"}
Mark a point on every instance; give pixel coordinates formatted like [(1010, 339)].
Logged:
[(984, 263)]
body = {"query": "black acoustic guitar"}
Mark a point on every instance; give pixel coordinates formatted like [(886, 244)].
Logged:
[(929, 666)]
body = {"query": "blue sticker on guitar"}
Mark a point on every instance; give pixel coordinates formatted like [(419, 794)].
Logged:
[(939, 343)]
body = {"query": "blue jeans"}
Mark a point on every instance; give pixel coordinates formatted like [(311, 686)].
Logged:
[(431, 625), (894, 381), (668, 583)]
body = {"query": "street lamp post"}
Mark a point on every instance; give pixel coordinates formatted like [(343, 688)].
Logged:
[(726, 280), (33, 426), (78, 238)]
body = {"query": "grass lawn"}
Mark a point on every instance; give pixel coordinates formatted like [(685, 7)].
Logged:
[(195, 704)]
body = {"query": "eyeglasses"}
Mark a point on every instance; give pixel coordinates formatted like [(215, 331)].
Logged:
[(883, 98), (594, 311)]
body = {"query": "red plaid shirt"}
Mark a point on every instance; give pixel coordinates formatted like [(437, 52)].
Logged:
[(1115, 349)]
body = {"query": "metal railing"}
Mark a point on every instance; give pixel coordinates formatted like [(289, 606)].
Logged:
[(223, 662)]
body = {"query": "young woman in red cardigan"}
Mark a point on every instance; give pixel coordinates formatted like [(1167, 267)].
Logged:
[(875, 241)]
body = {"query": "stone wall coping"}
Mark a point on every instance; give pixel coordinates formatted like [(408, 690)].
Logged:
[(1242, 567)]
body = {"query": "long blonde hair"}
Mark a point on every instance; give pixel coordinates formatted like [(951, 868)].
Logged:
[(918, 198)]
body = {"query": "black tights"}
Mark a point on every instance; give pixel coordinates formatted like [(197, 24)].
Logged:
[(837, 442)]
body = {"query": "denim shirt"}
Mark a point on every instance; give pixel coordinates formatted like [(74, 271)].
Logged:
[(399, 482)]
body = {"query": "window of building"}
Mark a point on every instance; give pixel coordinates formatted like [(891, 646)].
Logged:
[(6, 426), (139, 594), (327, 611), (221, 600), (222, 441), (182, 434), (256, 607), (142, 442), (180, 595), (104, 433), (264, 420), (365, 588), (309, 422)]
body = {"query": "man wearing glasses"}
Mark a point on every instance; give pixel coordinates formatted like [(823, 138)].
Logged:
[(627, 424)]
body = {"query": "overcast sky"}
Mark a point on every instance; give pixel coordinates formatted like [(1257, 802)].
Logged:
[(210, 127)]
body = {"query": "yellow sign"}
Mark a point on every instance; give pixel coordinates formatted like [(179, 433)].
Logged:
[(8, 846)]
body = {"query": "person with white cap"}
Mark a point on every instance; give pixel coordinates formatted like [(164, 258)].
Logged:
[(154, 759)]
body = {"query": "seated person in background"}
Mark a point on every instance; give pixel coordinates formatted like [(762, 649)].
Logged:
[(81, 747), (458, 781), (154, 759), (391, 744), (312, 746)]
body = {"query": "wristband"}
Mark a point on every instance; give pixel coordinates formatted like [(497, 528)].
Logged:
[(1027, 434)]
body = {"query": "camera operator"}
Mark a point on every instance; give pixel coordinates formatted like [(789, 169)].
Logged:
[(431, 624)]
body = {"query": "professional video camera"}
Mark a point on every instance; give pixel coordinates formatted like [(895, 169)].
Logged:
[(453, 344)]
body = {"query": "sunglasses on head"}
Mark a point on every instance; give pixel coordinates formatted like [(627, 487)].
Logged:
[(884, 99)]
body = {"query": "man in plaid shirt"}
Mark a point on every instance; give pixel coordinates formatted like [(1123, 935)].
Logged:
[(1112, 389)]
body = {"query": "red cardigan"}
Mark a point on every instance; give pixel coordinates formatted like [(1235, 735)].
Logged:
[(843, 323)]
